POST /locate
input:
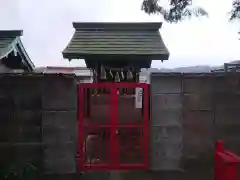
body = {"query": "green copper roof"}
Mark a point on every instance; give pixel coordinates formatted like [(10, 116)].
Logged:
[(113, 39), (10, 42)]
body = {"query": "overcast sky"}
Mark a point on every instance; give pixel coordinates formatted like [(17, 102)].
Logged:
[(47, 26)]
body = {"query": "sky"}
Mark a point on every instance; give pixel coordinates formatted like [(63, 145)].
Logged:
[(47, 29)]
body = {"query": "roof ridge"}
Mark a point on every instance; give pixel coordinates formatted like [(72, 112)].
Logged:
[(11, 33), (118, 25)]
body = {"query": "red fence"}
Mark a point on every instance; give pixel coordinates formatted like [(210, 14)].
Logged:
[(113, 126)]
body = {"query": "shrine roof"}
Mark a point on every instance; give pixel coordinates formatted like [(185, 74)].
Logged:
[(10, 42), (116, 39)]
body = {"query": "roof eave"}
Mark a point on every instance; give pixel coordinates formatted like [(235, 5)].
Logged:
[(17, 45), (71, 56), (25, 55)]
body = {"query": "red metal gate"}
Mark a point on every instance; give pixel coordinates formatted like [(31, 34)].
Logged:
[(113, 126)]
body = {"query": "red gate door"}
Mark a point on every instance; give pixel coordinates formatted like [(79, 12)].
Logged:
[(113, 126)]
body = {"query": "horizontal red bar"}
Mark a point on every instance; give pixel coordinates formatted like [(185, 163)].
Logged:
[(114, 85), (95, 126), (104, 166)]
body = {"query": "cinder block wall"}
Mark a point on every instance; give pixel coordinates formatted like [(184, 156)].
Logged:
[(227, 110), (38, 122), (20, 122), (59, 124), (166, 122), (189, 112)]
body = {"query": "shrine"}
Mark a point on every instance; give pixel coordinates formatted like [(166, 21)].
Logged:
[(116, 51), (114, 109)]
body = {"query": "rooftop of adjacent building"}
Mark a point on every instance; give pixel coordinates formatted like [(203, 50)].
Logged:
[(79, 71)]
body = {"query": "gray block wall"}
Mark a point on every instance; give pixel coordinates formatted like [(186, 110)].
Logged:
[(198, 125), (189, 112), (166, 123), (227, 110), (59, 125), (20, 124), (38, 123)]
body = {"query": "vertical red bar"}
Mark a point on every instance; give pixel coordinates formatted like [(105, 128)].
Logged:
[(99, 128), (219, 146), (230, 172), (107, 123), (90, 128), (114, 121), (81, 126), (146, 121), (131, 121)]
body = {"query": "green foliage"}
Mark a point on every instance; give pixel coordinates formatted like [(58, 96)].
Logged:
[(178, 9), (181, 9)]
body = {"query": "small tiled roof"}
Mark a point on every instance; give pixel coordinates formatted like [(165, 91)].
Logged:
[(123, 39), (10, 42)]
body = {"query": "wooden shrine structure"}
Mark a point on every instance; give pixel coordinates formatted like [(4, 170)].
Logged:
[(116, 51), (108, 116)]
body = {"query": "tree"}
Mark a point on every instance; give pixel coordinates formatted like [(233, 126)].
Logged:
[(235, 12), (180, 9)]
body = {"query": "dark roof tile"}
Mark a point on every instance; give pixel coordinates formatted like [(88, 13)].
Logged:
[(116, 39), (9, 42)]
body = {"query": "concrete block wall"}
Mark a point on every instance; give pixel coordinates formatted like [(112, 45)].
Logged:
[(198, 125), (192, 111), (20, 122), (38, 122), (188, 113), (59, 124), (227, 110), (166, 125)]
